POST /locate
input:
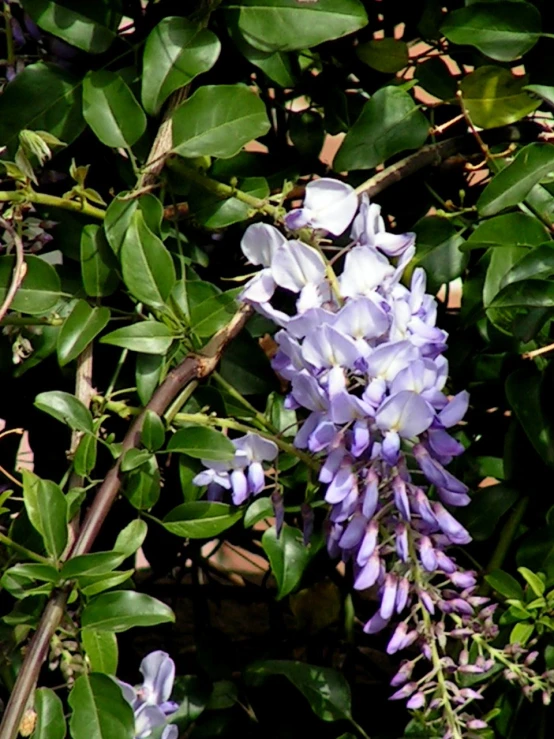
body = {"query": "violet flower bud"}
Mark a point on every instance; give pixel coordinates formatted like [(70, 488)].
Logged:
[(404, 692), (415, 702)]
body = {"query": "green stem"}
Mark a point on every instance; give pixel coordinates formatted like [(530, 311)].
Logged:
[(41, 198), (179, 402), (220, 189), (358, 728), (507, 535), (234, 393), (23, 550), (228, 423), (30, 321), (10, 47), (117, 371)]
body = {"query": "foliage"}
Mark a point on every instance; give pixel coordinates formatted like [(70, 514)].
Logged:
[(155, 498)]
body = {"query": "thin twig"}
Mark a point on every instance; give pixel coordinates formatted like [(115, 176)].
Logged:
[(19, 270), (538, 352)]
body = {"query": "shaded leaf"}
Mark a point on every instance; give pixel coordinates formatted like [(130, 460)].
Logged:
[(124, 609), (81, 326), (97, 263), (47, 510), (101, 650), (510, 229), (50, 715), (202, 443), (201, 519), (40, 289), (148, 337), (288, 557), (65, 408)]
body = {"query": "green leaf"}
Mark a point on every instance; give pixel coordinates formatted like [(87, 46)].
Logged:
[(505, 584), (152, 434), (510, 229), (120, 213), (512, 184), (101, 650), (276, 65), (43, 97), (258, 510), (245, 366), (517, 299), (130, 539), (501, 262), (97, 263), (387, 55), (202, 443), (99, 710), (286, 25), (538, 263), (93, 584), (176, 52), (81, 326), (544, 92), (50, 715), (521, 633), (325, 689), (534, 581), (288, 557), (123, 610), (91, 564), (91, 28), (40, 290), (214, 313), (142, 485), (435, 77), (32, 571), (218, 120), (65, 408), (147, 266), (524, 393), (47, 510), (85, 457), (148, 372), (148, 337), (389, 123), (438, 251), (111, 109), (201, 519), (488, 505), (499, 31), (133, 458), (283, 419), (494, 96)]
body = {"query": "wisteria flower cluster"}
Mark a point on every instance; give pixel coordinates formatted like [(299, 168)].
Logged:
[(150, 701), (365, 361)]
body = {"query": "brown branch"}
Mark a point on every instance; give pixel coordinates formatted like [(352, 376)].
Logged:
[(193, 367), (19, 270)]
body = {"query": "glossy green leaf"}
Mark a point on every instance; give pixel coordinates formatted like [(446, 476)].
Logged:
[(307, 132), (142, 485), (202, 443), (97, 263), (43, 97), (101, 650), (176, 52), (40, 290), (47, 510), (218, 120), (50, 715), (536, 263), (131, 538), (512, 184), (213, 213), (389, 123), (147, 266), (500, 32), (91, 585), (148, 371), (482, 516), (91, 564), (438, 245), (81, 326), (500, 263), (277, 65), (524, 392), (521, 633), (518, 298), (84, 460), (88, 26), (326, 690), (66, 408), (533, 580), (288, 557), (214, 313), (123, 610), (435, 77), (510, 229), (99, 710), (544, 92), (387, 55), (286, 25), (120, 213), (283, 419), (505, 584), (152, 434), (133, 458), (201, 519), (258, 510), (188, 469), (148, 337), (111, 109), (493, 96)]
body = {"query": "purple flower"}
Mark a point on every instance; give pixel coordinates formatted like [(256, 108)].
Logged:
[(329, 205)]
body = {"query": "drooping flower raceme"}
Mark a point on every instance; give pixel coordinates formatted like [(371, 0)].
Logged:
[(150, 701)]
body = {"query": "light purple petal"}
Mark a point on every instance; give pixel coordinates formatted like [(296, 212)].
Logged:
[(361, 318), (341, 484), (375, 624), (364, 270), (332, 204), (326, 347), (369, 542), (260, 242), (257, 448), (368, 574), (388, 599), (158, 670), (239, 484), (406, 413), (260, 288), (388, 359), (297, 264), (455, 410), (256, 478)]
